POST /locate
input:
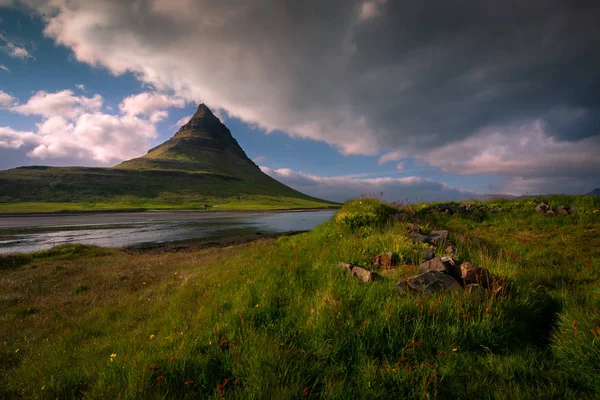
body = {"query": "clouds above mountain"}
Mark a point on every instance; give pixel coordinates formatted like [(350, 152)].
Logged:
[(75, 128), (366, 76), (341, 188)]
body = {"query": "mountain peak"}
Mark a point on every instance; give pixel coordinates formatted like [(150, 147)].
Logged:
[(203, 121), (203, 112)]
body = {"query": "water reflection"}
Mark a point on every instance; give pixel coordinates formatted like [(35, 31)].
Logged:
[(28, 233)]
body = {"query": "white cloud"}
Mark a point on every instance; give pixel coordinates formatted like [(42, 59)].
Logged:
[(80, 86), (73, 127), (341, 188), (4, 68), (151, 105), (259, 159), (13, 50), (11, 139), (62, 104), (6, 100), (181, 121), (530, 160), (392, 156)]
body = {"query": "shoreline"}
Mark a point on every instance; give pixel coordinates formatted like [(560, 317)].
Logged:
[(29, 214)]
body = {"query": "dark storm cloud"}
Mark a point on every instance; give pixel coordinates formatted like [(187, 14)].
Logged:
[(363, 76)]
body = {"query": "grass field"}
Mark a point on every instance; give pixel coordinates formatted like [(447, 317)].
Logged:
[(47, 189), (279, 319)]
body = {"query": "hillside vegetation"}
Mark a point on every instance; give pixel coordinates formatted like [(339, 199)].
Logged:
[(280, 319)]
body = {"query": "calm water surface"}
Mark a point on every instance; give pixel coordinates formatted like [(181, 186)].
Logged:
[(33, 233)]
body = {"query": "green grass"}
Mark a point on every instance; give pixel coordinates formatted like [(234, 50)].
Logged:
[(279, 319), (49, 189)]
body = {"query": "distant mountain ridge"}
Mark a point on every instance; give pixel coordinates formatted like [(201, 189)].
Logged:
[(595, 192), (202, 162)]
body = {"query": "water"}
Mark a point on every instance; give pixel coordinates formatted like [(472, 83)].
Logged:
[(34, 233)]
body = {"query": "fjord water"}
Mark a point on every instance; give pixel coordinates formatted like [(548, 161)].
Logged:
[(39, 232)]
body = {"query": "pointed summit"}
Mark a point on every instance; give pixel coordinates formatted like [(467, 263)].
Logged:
[(203, 144)]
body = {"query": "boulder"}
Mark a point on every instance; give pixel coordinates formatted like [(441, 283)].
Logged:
[(475, 275), (418, 238), (437, 237), (385, 260), (450, 249), (438, 264), (428, 254), (364, 275), (361, 273), (549, 213), (542, 208), (563, 210), (427, 283), (497, 209)]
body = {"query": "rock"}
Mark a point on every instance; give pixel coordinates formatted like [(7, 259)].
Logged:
[(347, 267), (418, 238), (437, 264), (414, 228), (475, 275), (450, 249), (497, 209), (427, 283), (428, 254), (433, 265), (466, 208), (364, 275), (385, 260), (447, 209), (482, 208), (563, 210), (549, 213), (403, 288), (542, 208), (437, 237)]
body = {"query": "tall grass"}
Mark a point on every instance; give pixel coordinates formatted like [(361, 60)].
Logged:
[(279, 319)]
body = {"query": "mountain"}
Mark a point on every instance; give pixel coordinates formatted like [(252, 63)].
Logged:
[(201, 164), (204, 144), (595, 192)]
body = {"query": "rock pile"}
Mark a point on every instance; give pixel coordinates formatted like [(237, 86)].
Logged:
[(443, 274), (549, 211)]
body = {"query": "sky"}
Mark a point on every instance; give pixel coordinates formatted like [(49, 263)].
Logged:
[(420, 101)]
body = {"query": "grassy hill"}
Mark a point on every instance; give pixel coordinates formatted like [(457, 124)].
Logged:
[(201, 164), (279, 319)]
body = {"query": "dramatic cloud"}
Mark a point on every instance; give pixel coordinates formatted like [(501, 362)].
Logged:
[(6, 100), (12, 49), (361, 75), (151, 105), (73, 127), (341, 188)]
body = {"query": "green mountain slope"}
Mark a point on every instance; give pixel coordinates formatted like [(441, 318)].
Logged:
[(202, 163)]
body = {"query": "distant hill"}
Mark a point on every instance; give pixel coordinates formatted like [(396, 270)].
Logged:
[(202, 163), (595, 192)]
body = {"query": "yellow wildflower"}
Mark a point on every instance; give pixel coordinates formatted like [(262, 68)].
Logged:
[(112, 357), (152, 337)]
